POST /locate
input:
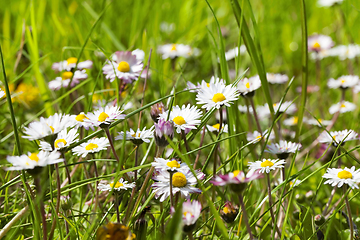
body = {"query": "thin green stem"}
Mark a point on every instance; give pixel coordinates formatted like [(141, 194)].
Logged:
[(270, 204), (41, 205), (57, 208), (349, 213), (255, 115)]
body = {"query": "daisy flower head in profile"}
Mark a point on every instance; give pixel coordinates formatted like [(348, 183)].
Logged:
[(283, 148), (215, 128), (124, 66), (257, 136), (343, 82), (162, 129), (328, 3), (247, 86), (344, 52), (342, 107), (237, 179), (338, 177), (286, 107), (118, 186), (184, 118), (191, 212), (176, 50), (266, 165), (79, 121), (338, 137), (33, 162), (63, 140), (317, 122), (293, 121), (92, 146), (156, 110), (316, 43), (161, 164), (182, 182), (138, 137), (277, 78), (104, 116), (232, 53), (217, 95), (70, 64), (65, 79), (48, 126)]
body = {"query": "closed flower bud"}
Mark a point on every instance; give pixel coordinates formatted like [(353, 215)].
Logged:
[(163, 128), (65, 202), (319, 220), (229, 212), (156, 110), (300, 198)]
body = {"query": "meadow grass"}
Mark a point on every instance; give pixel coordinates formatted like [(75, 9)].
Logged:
[(35, 34)]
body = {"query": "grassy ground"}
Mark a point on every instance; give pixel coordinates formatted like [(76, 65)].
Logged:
[(35, 34)]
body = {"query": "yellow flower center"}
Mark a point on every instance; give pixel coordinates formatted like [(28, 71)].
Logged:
[(217, 126), (218, 97), (102, 117), (295, 120), (52, 129), (173, 47), (80, 117), (173, 163), (236, 172), (34, 157), (208, 84), (226, 210), (123, 67), (60, 141), (186, 213), (179, 120), (316, 45), (344, 174), (66, 75), (343, 81), (117, 185), (71, 60), (342, 105), (179, 180), (134, 135), (267, 163), (247, 85), (258, 137), (91, 146)]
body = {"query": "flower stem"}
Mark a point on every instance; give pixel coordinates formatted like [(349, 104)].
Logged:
[(96, 186), (171, 188), (106, 129), (185, 141), (117, 207), (329, 201), (201, 143), (349, 213), (53, 225), (246, 220), (270, 205), (67, 170), (255, 115), (216, 151), (190, 235), (41, 205)]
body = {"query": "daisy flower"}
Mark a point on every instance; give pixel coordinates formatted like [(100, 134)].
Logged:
[(316, 122), (338, 137), (217, 95), (33, 160), (65, 79), (232, 53), (342, 107), (247, 86), (138, 137), (292, 121), (345, 51), (235, 177), (215, 128), (266, 165), (92, 146), (184, 118), (338, 177), (316, 43), (191, 212), (287, 107), (256, 136), (124, 66), (163, 128), (343, 82), (70, 63), (63, 140), (2, 93), (276, 78), (283, 148), (104, 116), (182, 182), (120, 185), (156, 110), (79, 121), (328, 3), (203, 85), (48, 126), (176, 50), (161, 164)]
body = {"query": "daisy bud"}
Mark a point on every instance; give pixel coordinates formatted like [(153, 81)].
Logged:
[(319, 220), (140, 225), (65, 202), (229, 212), (300, 198), (163, 128), (156, 110)]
